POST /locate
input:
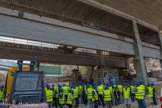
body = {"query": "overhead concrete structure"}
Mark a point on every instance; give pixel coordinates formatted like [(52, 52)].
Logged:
[(94, 24), (147, 12)]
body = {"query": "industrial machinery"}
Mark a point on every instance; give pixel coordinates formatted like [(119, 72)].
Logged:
[(24, 86)]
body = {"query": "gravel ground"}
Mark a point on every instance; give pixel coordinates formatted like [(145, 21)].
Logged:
[(134, 105)]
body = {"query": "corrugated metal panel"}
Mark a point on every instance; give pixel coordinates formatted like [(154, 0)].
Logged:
[(54, 70)]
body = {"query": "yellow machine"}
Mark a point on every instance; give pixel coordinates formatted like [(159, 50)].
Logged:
[(9, 80)]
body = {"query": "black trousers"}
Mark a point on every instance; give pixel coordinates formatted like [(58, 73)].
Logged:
[(95, 104), (133, 97), (66, 96), (70, 106), (154, 100), (102, 101)]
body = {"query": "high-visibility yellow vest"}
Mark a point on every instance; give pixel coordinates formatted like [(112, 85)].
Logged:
[(53, 92), (111, 89), (75, 93), (102, 86), (77, 88), (45, 88), (120, 87), (126, 93), (107, 95), (1, 95), (150, 92), (95, 97), (69, 101), (139, 94), (57, 92), (49, 97), (100, 92), (116, 92), (62, 100), (114, 85), (65, 90), (132, 88), (89, 90), (143, 89), (81, 89)]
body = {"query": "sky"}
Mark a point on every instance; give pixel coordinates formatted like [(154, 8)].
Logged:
[(4, 63)]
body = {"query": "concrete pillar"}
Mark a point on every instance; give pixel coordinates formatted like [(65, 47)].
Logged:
[(102, 64), (160, 37), (139, 63)]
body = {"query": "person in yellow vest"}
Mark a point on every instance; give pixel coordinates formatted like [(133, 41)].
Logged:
[(46, 87), (141, 84), (77, 88), (1, 95), (100, 90), (80, 92), (75, 95), (139, 95), (61, 98), (65, 88), (154, 93), (111, 90), (149, 91), (126, 95), (107, 97), (70, 99), (120, 88), (84, 97), (53, 92), (95, 96), (132, 93), (49, 97), (57, 95), (144, 90), (116, 95), (89, 96)]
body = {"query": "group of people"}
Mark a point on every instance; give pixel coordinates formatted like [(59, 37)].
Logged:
[(100, 94)]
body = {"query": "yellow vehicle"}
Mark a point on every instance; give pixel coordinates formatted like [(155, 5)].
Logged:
[(25, 85), (9, 80)]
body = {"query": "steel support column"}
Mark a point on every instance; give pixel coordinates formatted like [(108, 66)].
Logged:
[(139, 59)]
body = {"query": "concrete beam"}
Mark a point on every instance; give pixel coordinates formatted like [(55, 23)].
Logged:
[(47, 57), (22, 28), (50, 30), (12, 51), (117, 12)]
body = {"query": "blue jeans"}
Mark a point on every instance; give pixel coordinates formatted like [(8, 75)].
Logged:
[(141, 103), (61, 105), (1, 104), (84, 98), (90, 103), (111, 101), (116, 100), (57, 102)]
